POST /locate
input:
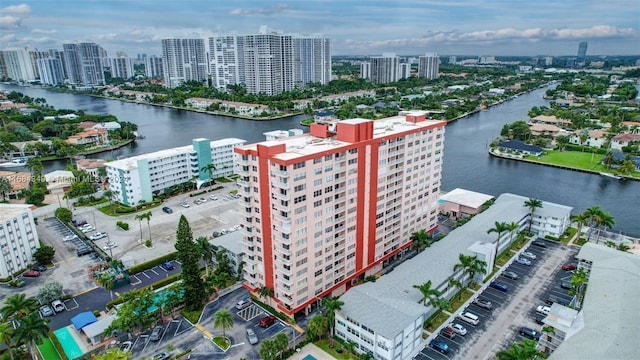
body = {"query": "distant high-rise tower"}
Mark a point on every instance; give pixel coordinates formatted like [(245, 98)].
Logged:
[(19, 66), (226, 62), (84, 63), (429, 65), (183, 60), (405, 71), (453, 59), (311, 60), (582, 51), (153, 66), (268, 58), (365, 70), (50, 71), (121, 67), (385, 68)]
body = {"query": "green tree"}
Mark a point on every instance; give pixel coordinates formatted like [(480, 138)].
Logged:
[(6, 337), (609, 160), (63, 214), (317, 327), (580, 220), (5, 186), (44, 255), (593, 214), (455, 283), (331, 305), (31, 331), (577, 281), (511, 228), (50, 291), (223, 320), (421, 239), (477, 267), (498, 228), (206, 251), (35, 165), (428, 293), (114, 354), (268, 350), (464, 264), (209, 169), (281, 340), (188, 255), (523, 350), (604, 221), (532, 204), (264, 292), (18, 306), (145, 216)]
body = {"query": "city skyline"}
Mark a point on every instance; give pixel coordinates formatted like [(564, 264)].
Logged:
[(406, 27)]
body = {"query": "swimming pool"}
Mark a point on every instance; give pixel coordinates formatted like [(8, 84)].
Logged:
[(71, 349), (309, 357)]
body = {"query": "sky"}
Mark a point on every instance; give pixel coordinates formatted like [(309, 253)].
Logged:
[(367, 27)]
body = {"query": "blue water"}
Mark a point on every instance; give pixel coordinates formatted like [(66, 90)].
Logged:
[(71, 349), (159, 299), (309, 357)]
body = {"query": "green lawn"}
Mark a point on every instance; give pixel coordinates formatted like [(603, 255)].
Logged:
[(222, 342), (437, 321), (575, 159), (457, 301), (48, 351), (344, 355)]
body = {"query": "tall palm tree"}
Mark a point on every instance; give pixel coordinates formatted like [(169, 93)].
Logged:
[(465, 262), (147, 216), (604, 221), (31, 331), (264, 292), (206, 251), (209, 169), (223, 320), (499, 228), (523, 350), (578, 279), (453, 282), (6, 336), (420, 239), (592, 213), (317, 327), (5, 185), (331, 305), (428, 293), (511, 228), (18, 306), (532, 204), (580, 220)]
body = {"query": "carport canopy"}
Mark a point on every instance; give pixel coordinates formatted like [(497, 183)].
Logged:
[(83, 319)]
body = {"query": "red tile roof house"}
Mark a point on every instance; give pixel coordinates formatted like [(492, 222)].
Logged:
[(621, 140), (89, 137)]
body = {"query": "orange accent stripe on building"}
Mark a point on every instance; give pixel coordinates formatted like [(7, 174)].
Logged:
[(373, 201), (265, 212), (360, 209)]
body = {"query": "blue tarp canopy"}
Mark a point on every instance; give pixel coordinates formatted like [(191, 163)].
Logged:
[(83, 319)]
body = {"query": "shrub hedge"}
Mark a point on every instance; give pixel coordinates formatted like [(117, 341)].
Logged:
[(122, 225), (151, 263), (156, 285), (57, 345)]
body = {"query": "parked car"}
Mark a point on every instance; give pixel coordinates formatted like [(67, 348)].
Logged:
[(167, 265), (483, 303), (440, 346), (243, 304), (87, 229), (252, 337), (156, 334), (499, 286), (57, 306), (523, 261), (539, 243), (202, 200), (185, 205), (126, 346), (83, 250), (448, 332), (213, 197), (98, 236), (569, 267), (529, 255), (167, 210), (46, 310), (216, 234), (459, 329), (110, 245), (31, 273), (267, 321), (162, 356), (539, 319), (543, 310), (469, 318), (565, 284), (529, 333), (78, 223), (510, 274), (40, 268), (70, 237)]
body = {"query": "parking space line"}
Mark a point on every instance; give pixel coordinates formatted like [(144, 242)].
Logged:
[(145, 274), (153, 271)]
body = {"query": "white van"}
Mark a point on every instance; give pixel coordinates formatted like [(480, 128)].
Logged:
[(469, 318)]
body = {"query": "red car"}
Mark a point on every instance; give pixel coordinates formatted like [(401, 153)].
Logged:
[(569, 267), (31, 273), (267, 321)]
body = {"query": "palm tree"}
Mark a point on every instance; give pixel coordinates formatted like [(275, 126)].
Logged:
[(428, 293), (455, 283), (608, 160), (223, 320), (316, 328), (477, 267), (420, 239), (523, 350), (6, 336), (465, 263), (5, 185), (580, 220), (604, 221), (18, 306), (35, 165), (114, 354), (592, 213), (146, 216), (31, 331), (209, 169), (264, 292), (532, 204), (109, 195), (281, 341), (578, 279), (499, 228), (331, 305), (511, 228), (206, 251)]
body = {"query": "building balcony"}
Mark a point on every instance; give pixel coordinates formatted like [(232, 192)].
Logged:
[(286, 283), (276, 195)]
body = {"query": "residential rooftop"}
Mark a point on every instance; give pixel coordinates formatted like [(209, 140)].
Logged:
[(11, 210), (467, 198)]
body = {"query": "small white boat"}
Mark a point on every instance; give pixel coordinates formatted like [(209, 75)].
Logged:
[(14, 163), (609, 175)]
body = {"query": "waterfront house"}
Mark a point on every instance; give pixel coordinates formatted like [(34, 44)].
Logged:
[(19, 181), (546, 130), (551, 120), (461, 203), (620, 157), (90, 166), (621, 140), (595, 138), (90, 137), (522, 147)]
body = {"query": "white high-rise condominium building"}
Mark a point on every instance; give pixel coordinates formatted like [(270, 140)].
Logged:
[(385, 68), (50, 71), (84, 63), (142, 177), (429, 66), (268, 58), (326, 208), (365, 70), (226, 60), (19, 65), (153, 66), (183, 60), (311, 60), (121, 67), (59, 54), (18, 238), (405, 70)]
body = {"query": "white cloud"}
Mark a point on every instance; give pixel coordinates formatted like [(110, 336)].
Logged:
[(43, 31), (22, 9), (9, 22), (280, 7)]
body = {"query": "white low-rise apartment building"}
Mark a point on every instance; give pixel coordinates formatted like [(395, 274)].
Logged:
[(18, 238), (385, 318), (140, 178)]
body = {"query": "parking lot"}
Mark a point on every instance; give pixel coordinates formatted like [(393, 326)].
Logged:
[(510, 310)]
